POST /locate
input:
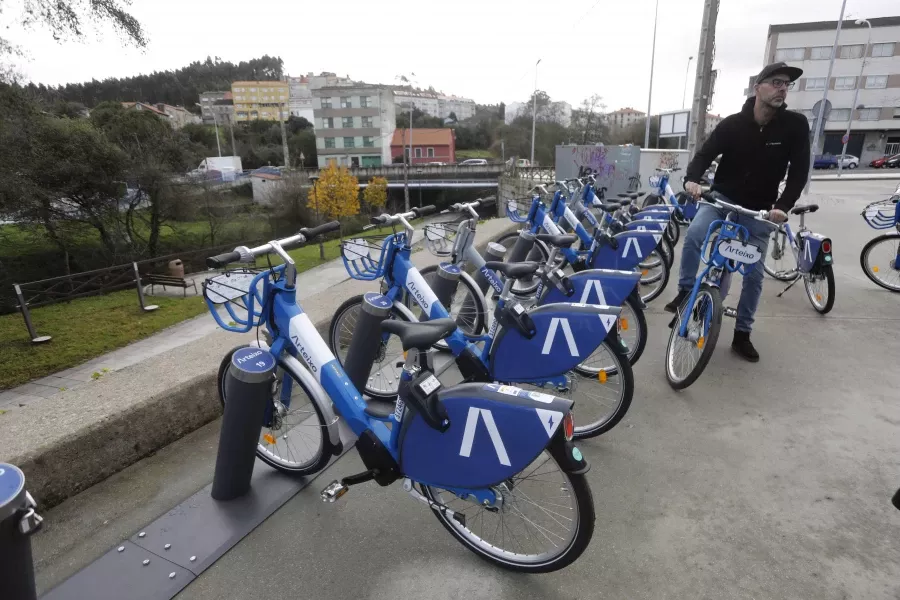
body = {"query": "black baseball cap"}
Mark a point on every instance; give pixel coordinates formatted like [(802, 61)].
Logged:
[(779, 68)]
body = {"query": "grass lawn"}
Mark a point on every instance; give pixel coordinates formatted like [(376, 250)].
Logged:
[(465, 154), (83, 329)]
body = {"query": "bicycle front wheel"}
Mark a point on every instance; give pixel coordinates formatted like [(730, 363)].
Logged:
[(632, 326), (779, 262), (384, 378), (878, 260), (467, 306), (686, 357), (294, 438), (544, 523), (602, 388), (654, 276), (820, 289), (525, 287)]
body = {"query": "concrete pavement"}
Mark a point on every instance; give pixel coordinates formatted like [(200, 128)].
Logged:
[(760, 481)]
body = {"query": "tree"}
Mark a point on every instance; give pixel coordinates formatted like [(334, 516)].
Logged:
[(587, 123), (376, 193), (452, 116), (634, 133), (336, 195)]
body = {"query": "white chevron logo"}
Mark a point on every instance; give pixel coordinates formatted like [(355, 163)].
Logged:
[(469, 434), (593, 284), (560, 323), (807, 251), (632, 241)]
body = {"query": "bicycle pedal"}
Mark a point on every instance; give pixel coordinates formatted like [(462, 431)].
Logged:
[(333, 491), (730, 312)]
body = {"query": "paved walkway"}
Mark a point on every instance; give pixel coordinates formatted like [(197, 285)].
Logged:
[(309, 283)]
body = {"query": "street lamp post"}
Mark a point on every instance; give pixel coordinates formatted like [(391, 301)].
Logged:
[(315, 180), (853, 107), (686, 73), (419, 173), (534, 109), (650, 93)]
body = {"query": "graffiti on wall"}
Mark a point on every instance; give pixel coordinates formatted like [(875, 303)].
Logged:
[(668, 160)]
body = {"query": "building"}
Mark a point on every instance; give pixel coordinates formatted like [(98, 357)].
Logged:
[(428, 102), (463, 108), (176, 116), (300, 97), (354, 124), (875, 120), (428, 145), (216, 107), (712, 121), (260, 100), (624, 118), (560, 112)]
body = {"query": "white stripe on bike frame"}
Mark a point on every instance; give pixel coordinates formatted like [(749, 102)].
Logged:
[(469, 434), (586, 294), (560, 323)]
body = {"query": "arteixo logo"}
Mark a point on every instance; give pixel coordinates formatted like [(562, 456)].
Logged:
[(420, 297)]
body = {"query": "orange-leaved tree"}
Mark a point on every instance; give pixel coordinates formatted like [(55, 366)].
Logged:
[(334, 196), (376, 193)]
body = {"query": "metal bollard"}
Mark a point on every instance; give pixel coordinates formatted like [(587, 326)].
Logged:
[(23, 306), (17, 522), (522, 247), (493, 251), (248, 390), (140, 291), (445, 284), (366, 341)]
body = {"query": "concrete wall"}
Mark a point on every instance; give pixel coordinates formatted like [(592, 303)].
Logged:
[(654, 159)]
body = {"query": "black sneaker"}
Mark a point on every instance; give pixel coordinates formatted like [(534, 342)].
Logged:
[(674, 305), (744, 347)]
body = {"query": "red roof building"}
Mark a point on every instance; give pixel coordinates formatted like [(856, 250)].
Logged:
[(428, 145)]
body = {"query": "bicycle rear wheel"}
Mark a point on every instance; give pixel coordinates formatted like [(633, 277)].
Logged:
[(294, 439), (654, 279), (820, 289), (602, 388), (878, 261), (632, 326), (467, 307), (686, 357), (526, 287), (779, 261), (545, 521)]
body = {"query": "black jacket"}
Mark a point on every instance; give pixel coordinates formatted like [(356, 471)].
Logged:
[(755, 158)]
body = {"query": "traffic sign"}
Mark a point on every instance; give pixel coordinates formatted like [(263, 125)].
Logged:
[(845, 139)]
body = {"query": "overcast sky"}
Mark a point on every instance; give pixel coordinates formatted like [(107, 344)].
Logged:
[(485, 50)]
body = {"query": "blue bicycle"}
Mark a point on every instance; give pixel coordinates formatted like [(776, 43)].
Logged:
[(696, 325), (494, 463), (880, 257), (685, 206), (562, 347)]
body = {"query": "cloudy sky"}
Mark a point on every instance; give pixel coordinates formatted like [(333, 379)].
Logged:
[(485, 50)]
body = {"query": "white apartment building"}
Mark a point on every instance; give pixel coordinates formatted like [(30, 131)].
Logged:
[(624, 117), (354, 124), (875, 120), (463, 108), (434, 104), (300, 91)]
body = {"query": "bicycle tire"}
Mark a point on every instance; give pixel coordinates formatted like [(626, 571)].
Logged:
[(650, 294), (669, 252), (519, 288), (867, 267), (325, 451), (474, 327), (815, 297), (389, 358), (640, 320), (675, 231), (779, 236), (583, 511), (710, 339), (621, 369)]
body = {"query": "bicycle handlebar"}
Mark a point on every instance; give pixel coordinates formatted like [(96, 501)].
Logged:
[(665, 170), (715, 199), (244, 254)]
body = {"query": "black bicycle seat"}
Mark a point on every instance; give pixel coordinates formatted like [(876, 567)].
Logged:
[(513, 270), (625, 202), (422, 335), (560, 241), (809, 208), (608, 206)]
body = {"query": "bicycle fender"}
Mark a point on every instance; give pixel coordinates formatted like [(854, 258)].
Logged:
[(569, 458), (633, 247), (596, 286), (811, 256)]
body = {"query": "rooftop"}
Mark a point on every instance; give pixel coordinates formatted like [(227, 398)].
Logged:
[(832, 25), (423, 137)]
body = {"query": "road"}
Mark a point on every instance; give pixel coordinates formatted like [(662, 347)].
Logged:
[(764, 481)]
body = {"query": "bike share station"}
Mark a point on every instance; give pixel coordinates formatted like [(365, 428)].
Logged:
[(169, 553)]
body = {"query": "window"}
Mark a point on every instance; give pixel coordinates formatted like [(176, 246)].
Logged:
[(869, 114), (893, 146), (364, 102), (839, 114), (430, 153), (368, 142), (883, 49), (418, 153), (329, 142), (348, 142), (820, 53), (326, 102), (815, 83), (876, 82), (844, 83), (327, 122), (367, 122), (786, 54), (897, 113), (345, 102), (252, 89), (347, 122), (854, 51)]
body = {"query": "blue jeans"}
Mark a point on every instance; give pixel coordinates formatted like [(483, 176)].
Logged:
[(753, 280)]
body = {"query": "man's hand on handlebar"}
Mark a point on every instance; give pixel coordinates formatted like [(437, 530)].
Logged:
[(777, 216), (694, 189)]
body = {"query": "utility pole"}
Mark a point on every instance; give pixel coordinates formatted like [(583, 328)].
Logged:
[(705, 56), (234, 151), (287, 158), (405, 171), (650, 93), (216, 123), (534, 110), (854, 106)]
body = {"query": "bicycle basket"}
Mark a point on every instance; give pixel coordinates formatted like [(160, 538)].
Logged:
[(517, 209), (365, 257), (883, 214), (441, 237), (240, 292)]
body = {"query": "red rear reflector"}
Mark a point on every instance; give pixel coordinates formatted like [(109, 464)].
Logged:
[(569, 424), (826, 246)]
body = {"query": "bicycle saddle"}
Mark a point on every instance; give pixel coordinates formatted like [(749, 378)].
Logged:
[(560, 241), (809, 208), (513, 270), (608, 206), (419, 335)]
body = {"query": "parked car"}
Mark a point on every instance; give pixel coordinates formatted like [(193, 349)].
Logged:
[(848, 161), (893, 162), (878, 163), (825, 161), (473, 162)]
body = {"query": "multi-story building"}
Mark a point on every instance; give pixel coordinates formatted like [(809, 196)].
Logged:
[(260, 100), (463, 108), (300, 97), (176, 116), (428, 102), (712, 121), (428, 145), (354, 124), (624, 118), (216, 107), (875, 120)]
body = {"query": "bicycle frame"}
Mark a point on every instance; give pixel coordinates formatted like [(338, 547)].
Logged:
[(664, 190)]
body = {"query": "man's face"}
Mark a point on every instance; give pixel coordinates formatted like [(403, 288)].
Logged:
[(773, 90)]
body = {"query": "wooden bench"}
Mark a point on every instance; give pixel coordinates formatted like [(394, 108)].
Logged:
[(168, 280)]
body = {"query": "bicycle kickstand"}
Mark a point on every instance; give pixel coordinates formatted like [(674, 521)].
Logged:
[(790, 285)]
